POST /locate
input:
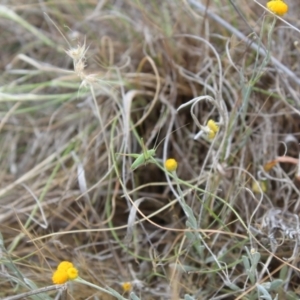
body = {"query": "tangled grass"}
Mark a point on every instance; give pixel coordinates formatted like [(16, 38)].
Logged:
[(88, 87)]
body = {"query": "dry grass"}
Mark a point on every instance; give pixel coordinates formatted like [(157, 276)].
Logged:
[(86, 82)]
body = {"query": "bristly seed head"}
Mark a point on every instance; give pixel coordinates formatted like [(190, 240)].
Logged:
[(77, 53)]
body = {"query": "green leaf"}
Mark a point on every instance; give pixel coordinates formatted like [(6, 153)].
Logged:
[(255, 258), (133, 296), (188, 297), (264, 292), (246, 262)]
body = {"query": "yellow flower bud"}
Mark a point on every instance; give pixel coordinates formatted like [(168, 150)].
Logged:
[(65, 271), (65, 265), (212, 125), (171, 164), (213, 128), (278, 7), (127, 286), (72, 273), (60, 277), (258, 186), (211, 134)]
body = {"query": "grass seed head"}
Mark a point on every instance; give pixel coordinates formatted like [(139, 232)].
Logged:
[(77, 53)]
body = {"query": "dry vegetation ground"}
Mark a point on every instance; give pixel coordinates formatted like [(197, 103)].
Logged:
[(83, 82)]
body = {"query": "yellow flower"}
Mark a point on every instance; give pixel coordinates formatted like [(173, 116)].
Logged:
[(212, 125), (171, 164), (127, 286), (72, 273), (211, 134), (213, 128), (258, 186), (65, 265), (60, 277), (65, 271), (278, 7)]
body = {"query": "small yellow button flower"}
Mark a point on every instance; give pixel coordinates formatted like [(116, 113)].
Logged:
[(127, 286), (211, 134), (171, 165), (278, 7), (213, 128), (65, 265), (258, 186), (72, 273), (212, 125), (60, 277), (65, 271)]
